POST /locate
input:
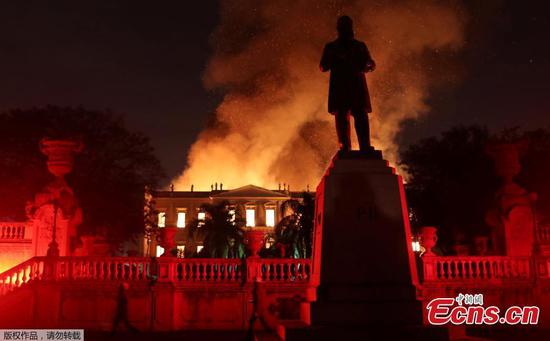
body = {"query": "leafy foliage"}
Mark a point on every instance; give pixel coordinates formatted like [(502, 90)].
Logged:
[(221, 232), (108, 177), (452, 180), (293, 235), (150, 218)]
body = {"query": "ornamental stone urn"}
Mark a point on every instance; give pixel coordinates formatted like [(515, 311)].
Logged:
[(428, 239), (60, 155), (255, 240), (55, 210), (167, 235)]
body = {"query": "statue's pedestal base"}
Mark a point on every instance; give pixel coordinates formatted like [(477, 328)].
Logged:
[(43, 225), (364, 254)]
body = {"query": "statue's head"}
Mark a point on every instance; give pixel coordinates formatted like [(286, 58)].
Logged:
[(345, 27)]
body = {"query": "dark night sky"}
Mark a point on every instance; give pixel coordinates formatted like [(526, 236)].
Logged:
[(146, 62), (506, 71)]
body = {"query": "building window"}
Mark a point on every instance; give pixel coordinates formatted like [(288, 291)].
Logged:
[(250, 217), (162, 219), (181, 219), (201, 216), (270, 217), (232, 215), (415, 246), (181, 251), (199, 248), (160, 250)]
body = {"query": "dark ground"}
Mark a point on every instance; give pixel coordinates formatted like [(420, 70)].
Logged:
[(510, 333), (190, 335)]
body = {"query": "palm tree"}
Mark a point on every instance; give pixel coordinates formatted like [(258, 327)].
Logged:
[(293, 235), (221, 232)]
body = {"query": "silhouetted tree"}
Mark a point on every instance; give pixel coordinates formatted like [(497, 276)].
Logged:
[(108, 177), (293, 234), (452, 180), (534, 175), (221, 232), (150, 218)]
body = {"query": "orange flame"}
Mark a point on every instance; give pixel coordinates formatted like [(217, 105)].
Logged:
[(272, 126)]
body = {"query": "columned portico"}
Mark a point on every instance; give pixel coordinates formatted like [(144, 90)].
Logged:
[(256, 200)]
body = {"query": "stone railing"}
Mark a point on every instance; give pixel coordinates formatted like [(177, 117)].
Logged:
[(21, 274), (476, 269), (200, 270), (12, 230), (195, 270), (103, 268), (283, 270), (175, 270), (161, 288)]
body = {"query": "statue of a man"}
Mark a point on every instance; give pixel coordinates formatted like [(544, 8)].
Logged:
[(348, 60)]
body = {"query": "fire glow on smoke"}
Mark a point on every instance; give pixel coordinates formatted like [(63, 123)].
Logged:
[(272, 126)]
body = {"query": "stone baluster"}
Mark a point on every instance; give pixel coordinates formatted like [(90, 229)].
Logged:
[(185, 271), (212, 275)]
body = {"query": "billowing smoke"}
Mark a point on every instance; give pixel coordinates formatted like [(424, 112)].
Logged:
[(272, 126)]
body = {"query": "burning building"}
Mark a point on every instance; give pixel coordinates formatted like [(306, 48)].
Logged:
[(272, 125), (261, 209)]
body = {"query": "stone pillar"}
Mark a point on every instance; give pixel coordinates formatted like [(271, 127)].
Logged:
[(42, 222), (240, 210), (260, 213), (363, 256), (278, 212), (171, 214), (513, 217)]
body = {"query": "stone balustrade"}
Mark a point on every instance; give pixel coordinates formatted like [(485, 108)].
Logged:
[(230, 278), (165, 293), (175, 270), (476, 269), (201, 270), (103, 268), (10, 230), (21, 274), (283, 270)]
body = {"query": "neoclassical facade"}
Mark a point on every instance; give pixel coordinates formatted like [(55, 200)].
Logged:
[(262, 208)]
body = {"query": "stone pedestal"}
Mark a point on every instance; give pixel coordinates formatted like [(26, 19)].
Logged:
[(43, 224), (363, 254)]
